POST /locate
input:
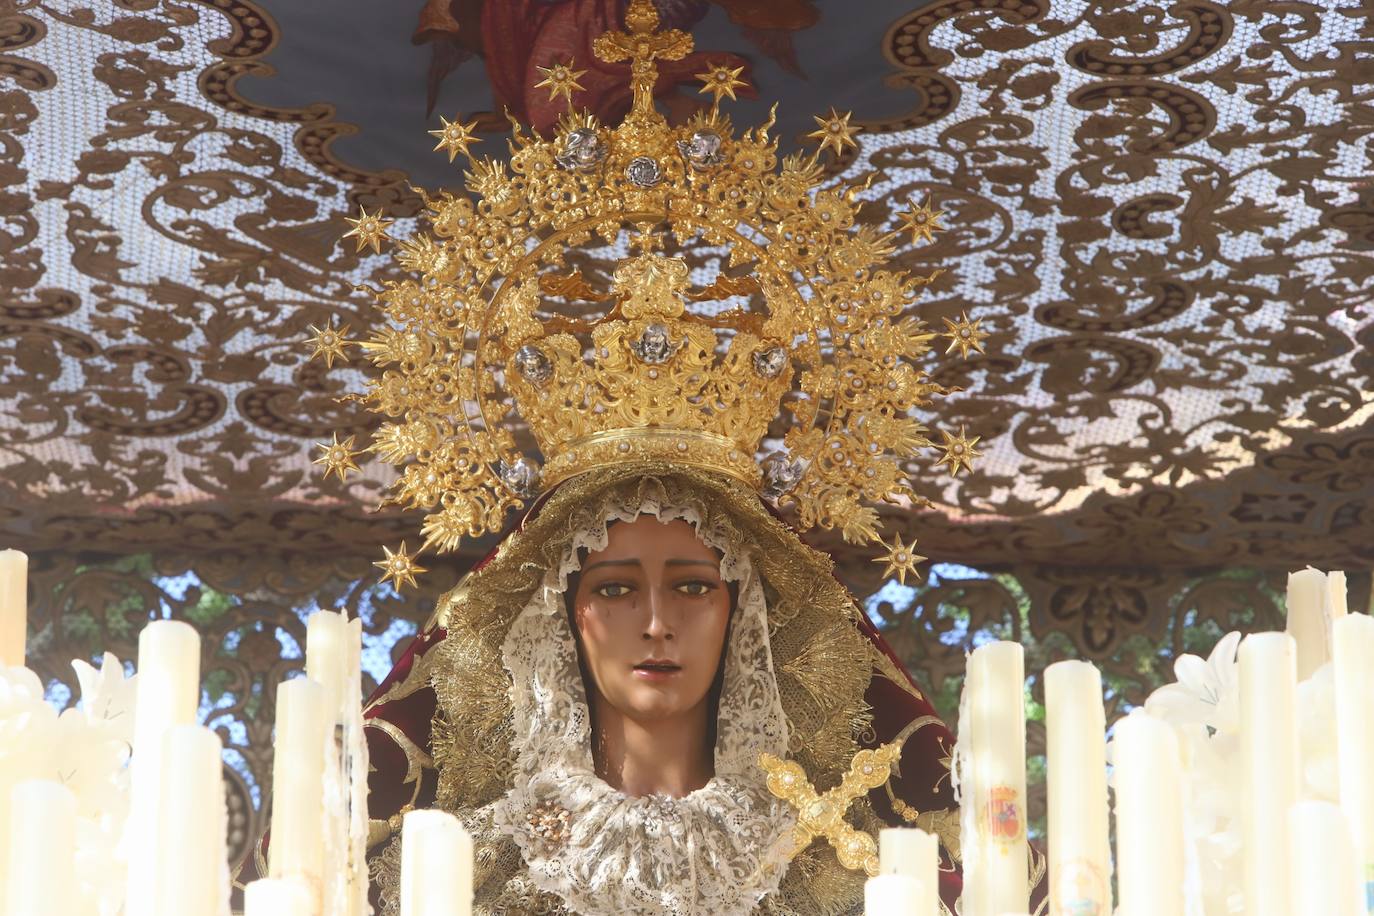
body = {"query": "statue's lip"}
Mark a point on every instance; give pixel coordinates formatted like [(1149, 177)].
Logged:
[(659, 664)]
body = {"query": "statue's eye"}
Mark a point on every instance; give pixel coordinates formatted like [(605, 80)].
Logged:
[(612, 590), (695, 589)]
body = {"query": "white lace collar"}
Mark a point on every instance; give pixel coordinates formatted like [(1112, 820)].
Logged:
[(717, 851)]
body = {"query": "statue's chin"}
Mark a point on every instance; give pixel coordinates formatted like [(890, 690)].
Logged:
[(651, 703)]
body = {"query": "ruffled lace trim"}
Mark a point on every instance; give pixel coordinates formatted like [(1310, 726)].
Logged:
[(717, 851)]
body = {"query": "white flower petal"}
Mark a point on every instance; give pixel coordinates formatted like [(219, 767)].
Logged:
[(1194, 674)]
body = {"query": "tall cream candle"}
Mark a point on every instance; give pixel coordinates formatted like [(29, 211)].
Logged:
[(895, 895), (1076, 751), (914, 854), (192, 846), (1269, 767), (436, 865), (276, 897), (1324, 882), (1149, 817), (304, 721), (1337, 605), (327, 636), (167, 694), (42, 855), (1353, 651), (14, 607), (1307, 620), (993, 771)]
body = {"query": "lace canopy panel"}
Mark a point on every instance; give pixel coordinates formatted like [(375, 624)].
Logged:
[(1161, 217)]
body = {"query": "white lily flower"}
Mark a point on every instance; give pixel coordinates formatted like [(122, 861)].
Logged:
[(107, 696), (1207, 692), (85, 749)]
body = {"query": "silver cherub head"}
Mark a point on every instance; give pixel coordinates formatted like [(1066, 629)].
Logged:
[(582, 151)]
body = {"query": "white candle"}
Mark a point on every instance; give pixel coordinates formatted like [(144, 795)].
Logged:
[(993, 771), (1076, 751), (327, 636), (276, 897), (167, 695), (914, 854), (436, 865), (296, 846), (1149, 817), (1336, 604), (1307, 620), (1324, 881), (1269, 767), (193, 853), (1353, 650), (14, 607), (42, 856), (894, 895), (905, 851)]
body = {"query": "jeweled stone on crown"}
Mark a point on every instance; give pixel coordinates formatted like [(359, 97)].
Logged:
[(643, 172), (522, 476)]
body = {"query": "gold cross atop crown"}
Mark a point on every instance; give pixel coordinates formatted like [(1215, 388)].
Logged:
[(642, 44)]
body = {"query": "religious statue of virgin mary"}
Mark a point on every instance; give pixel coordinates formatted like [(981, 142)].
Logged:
[(652, 697)]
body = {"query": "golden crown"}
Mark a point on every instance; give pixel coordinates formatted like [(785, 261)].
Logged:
[(797, 349)]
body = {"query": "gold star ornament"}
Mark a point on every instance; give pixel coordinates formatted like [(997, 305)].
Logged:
[(455, 137), (560, 79), (721, 82), (822, 815), (400, 567), (329, 342), (922, 222), (834, 132), (901, 559), (369, 229), (959, 451), (964, 335), (337, 457)]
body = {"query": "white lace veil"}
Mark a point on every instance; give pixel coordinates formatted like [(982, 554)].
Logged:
[(717, 851)]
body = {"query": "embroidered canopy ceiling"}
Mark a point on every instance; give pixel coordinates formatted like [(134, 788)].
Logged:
[(1162, 214)]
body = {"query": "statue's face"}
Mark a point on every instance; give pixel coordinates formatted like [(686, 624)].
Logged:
[(652, 611)]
